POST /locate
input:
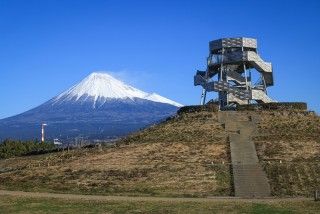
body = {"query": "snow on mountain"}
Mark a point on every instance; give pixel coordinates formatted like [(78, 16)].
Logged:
[(99, 107), (157, 98), (104, 86)]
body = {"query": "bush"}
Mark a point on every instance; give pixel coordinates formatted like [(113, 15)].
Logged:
[(211, 107), (274, 106), (11, 148)]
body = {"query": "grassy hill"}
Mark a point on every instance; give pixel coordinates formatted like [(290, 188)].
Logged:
[(187, 155), (288, 144)]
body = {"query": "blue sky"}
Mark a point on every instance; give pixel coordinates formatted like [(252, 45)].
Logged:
[(47, 46)]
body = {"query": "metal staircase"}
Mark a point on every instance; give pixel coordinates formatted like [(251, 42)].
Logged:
[(225, 86), (231, 61), (260, 96), (236, 77)]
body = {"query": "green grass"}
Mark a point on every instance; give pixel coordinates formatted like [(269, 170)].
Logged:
[(9, 204), (265, 208)]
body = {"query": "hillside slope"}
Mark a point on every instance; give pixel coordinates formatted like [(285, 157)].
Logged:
[(182, 156), (187, 155), (288, 144)]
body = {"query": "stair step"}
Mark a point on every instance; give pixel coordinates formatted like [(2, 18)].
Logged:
[(249, 178)]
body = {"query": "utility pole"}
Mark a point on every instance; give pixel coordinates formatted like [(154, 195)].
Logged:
[(42, 132)]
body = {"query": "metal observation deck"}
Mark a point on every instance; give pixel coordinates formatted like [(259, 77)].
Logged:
[(230, 64)]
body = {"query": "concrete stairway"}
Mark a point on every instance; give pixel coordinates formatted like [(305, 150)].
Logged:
[(249, 179)]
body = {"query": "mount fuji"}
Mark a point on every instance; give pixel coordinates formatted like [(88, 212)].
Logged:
[(99, 107)]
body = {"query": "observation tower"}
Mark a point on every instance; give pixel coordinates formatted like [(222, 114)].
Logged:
[(237, 72)]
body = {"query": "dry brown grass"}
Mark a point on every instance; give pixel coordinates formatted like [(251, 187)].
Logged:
[(288, 136), (185, 156), (289, 144)]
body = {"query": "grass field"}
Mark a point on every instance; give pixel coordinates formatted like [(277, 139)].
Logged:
[(12, 204)]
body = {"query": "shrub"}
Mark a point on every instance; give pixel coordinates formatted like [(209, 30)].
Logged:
[(274, 106), (10, 148)]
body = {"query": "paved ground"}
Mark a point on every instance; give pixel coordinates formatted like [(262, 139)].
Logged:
[(128, 198), (249, 179)]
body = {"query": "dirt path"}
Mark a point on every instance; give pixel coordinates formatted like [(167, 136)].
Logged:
[(132, 198)]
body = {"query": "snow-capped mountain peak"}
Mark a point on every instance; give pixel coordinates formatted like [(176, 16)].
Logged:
[(104, 86), (98, 107)]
